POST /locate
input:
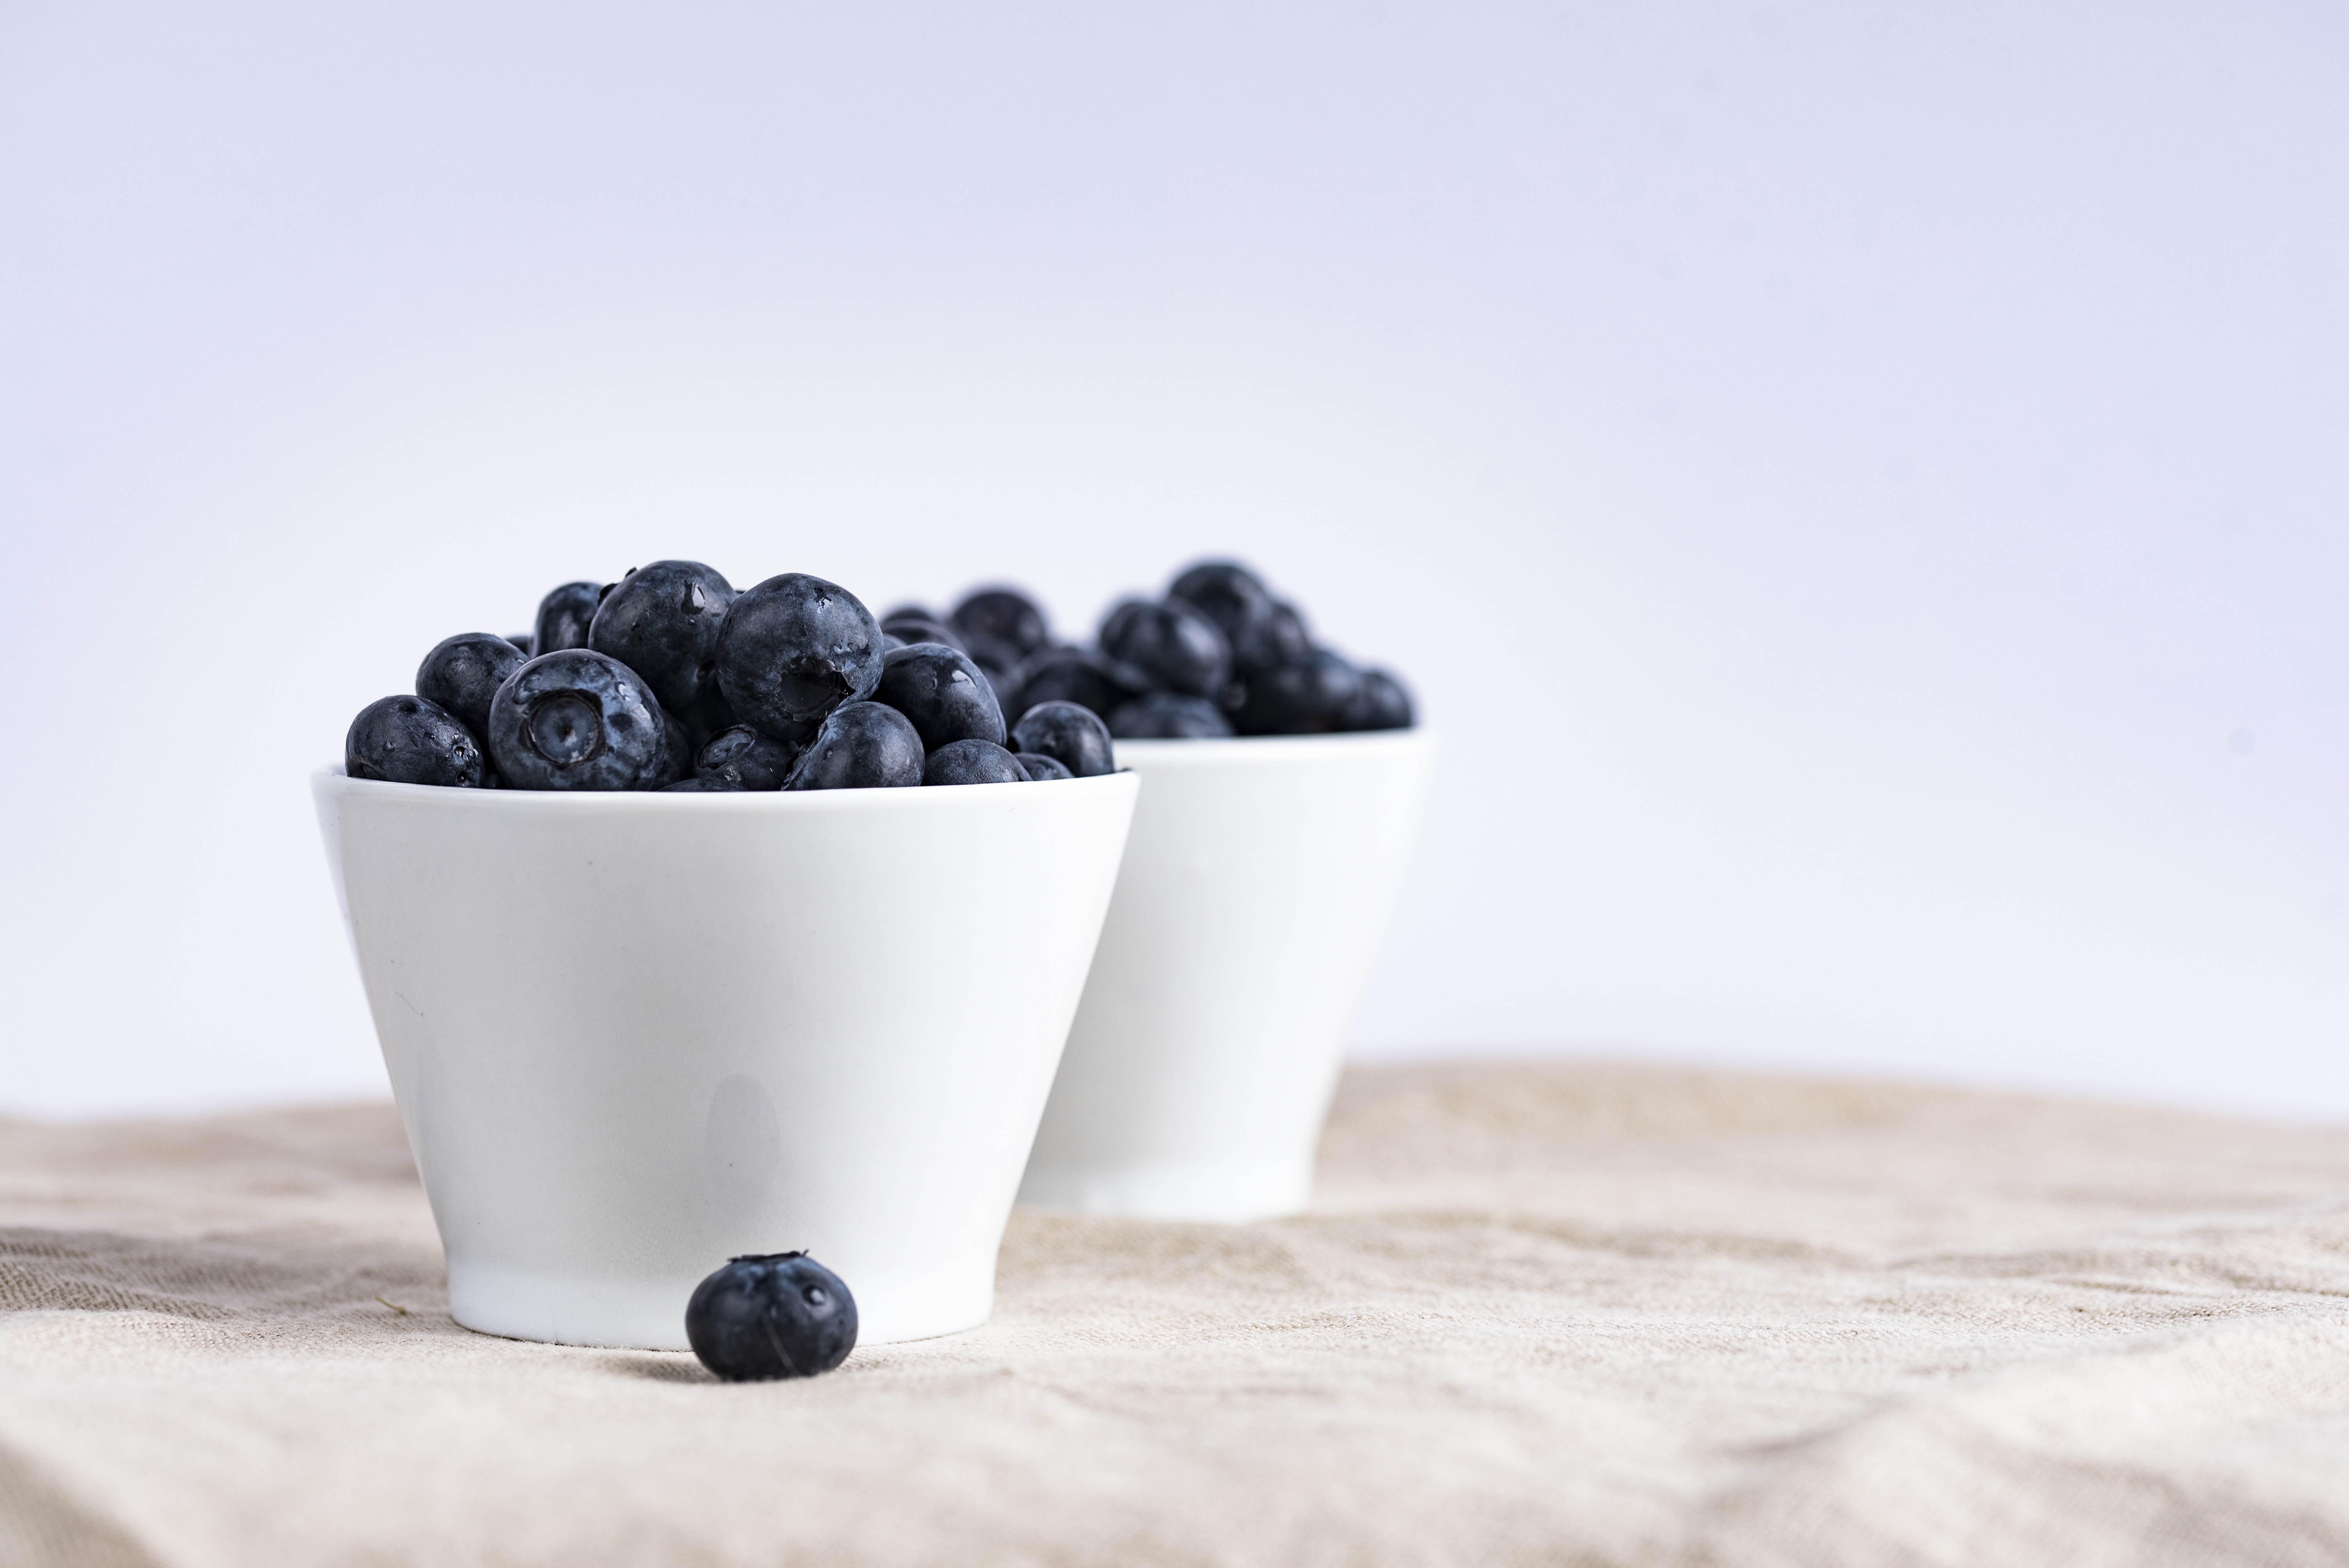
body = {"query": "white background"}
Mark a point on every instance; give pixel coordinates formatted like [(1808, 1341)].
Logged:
[(1861, 489)]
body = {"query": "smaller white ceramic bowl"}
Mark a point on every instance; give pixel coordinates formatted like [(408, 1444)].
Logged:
[(1257, 881), (634, 1034)]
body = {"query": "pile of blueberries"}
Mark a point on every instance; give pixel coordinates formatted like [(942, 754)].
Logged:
[(672, 679), (1216, 654)]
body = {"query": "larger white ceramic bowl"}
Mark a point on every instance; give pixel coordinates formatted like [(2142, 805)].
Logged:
[(634, 1035), (1256, 882)]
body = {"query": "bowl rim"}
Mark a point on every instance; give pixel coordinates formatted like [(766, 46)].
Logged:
[(331, 778), (1272, 749)]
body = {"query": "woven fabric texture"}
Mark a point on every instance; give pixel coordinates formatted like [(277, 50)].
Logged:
[(1556, 1313)]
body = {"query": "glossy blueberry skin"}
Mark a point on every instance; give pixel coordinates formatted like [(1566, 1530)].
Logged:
[(1230, 595), (742, 758), (463, 673), (1308, 696), (578, 719), (943, 693), (563, 617), (780, 1315), (1169, 715), (1041, 768), (1072, 735), (1173, 648), (912, 629), (972, 762), (413, 740), (1380, 702), (793, 649), (662, 621), (1066, 674), (861, 746), (1004, 616)]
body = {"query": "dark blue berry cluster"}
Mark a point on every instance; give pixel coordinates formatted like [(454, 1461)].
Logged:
[(673, 680), (1216, 654)]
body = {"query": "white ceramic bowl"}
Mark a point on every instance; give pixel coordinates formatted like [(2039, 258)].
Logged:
[(1257, 880), (634, 1035)]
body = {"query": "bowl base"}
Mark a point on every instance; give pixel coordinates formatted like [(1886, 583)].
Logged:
[(1221, 1192), (649, 1315)]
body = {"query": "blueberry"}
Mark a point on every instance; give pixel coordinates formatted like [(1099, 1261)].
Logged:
[(699, 786), (578, 719), (563, 617), (793, 649), (524, 640), (972, 762), (1231, 596), (676, 754), (1174, 647), (412, 740), (1072, 735), (1379, 703), (1040, 767), (911, 613), (1067, 675), (742, 758), (1004, 616), (463, 673), (1305, 695), (1169, 715), (662, 621), (861, 746), (943, 693), (781, 1315), (912, 629), (1281, 639), (1120, 615)]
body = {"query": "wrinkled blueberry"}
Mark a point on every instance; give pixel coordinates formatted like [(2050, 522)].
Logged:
[(1378, 702), (1072, 735), (1231, 596), (793, 649), (780, 1315), (1040, 768), (943, 693), (463, 673), (525, 641), (972, 762), (1066, 674), (912, 629), (662, 621), (578, 719), (563, 617), (861, 746), (1174, 647), (1169, 715), (1308, 696), (412, 740), (742, 758), (1005, 617)]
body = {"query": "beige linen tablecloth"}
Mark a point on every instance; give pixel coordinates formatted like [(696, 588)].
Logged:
[(1553, 1314)]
